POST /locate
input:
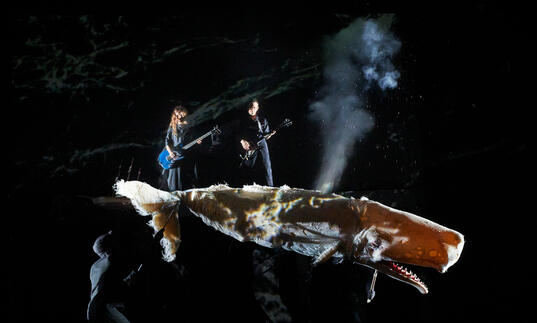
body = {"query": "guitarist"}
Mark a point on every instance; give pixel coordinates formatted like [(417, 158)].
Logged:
[(175, 137), (253, 128)]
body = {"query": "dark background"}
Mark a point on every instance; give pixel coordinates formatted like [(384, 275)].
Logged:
[(92, 94)]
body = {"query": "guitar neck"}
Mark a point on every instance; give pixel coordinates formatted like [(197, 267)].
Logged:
[(267, 136), (193, 142)]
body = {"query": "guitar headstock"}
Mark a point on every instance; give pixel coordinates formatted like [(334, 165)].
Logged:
[(216, 130), (287, 122)]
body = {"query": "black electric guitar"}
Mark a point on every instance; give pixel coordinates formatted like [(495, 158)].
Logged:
[(166, 161), (249, 153)]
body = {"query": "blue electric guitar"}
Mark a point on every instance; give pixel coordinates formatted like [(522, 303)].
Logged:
[(167, 162)]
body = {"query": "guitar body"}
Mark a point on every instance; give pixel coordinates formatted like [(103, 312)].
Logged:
[(250, 153), (166, 161)]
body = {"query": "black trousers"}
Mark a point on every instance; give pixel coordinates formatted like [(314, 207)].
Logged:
[(265, 157), (182, 177)]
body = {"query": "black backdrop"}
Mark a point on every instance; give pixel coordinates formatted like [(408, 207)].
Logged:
[(91, 93)]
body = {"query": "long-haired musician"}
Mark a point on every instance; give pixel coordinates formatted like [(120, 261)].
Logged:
[(185, 174)]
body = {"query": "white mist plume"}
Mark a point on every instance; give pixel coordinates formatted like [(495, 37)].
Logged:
[(356, 58)]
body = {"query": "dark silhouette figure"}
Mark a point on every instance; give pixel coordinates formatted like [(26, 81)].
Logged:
[(108, 288)]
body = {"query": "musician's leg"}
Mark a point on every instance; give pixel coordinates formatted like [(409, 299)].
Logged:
[(266, 162), (247, 172), (189, 175), (174, 179), (195, 177), (163, 180)]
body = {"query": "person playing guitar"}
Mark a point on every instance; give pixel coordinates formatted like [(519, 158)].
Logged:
[(254, 130), (175, 138)]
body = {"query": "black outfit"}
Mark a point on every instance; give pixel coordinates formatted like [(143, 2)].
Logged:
[(253, 131), (183, 174)]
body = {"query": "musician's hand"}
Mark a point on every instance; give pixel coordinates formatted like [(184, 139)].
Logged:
[(245, 144), (199, 141), (271, 134), (172, 154)]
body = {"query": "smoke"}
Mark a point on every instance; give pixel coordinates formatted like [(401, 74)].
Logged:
[(356, 58)]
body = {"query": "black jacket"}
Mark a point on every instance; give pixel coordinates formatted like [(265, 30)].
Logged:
[(254, 130)]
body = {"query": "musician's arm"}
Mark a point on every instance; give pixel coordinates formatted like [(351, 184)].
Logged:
[(169, 142), (265, 126), (266, 129), (241, 134)]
